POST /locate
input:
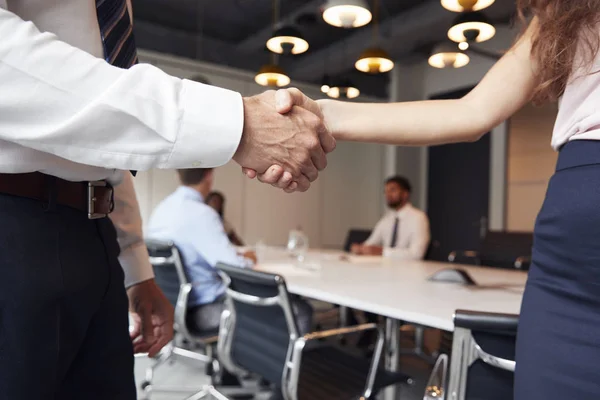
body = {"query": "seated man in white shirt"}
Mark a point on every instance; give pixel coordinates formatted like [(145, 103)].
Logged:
[(197, 231), (403, 233)]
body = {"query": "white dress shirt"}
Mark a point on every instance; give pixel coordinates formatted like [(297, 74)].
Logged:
[(64, 111), (412, 236)]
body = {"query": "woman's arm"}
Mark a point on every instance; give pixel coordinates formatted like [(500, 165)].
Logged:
[(503, 91)]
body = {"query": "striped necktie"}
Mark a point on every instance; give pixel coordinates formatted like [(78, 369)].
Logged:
[(117, 34)]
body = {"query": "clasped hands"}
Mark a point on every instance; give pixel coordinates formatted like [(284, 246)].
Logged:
[(285, 139)]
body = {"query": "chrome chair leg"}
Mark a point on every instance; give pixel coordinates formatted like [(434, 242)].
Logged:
[(164, 356), (190, 354), (207, 391)]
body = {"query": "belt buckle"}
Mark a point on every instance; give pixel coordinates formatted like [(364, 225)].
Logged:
[(91, 199)]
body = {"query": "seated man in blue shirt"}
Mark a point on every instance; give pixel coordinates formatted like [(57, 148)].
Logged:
[(197, 231)]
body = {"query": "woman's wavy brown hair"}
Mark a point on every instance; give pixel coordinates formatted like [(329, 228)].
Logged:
[(564, 28)]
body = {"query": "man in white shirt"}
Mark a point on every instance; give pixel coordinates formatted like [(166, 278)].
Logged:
[(403, 233), (73, 118)]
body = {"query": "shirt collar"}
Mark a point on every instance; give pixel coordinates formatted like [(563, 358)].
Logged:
[(190, 193), (403, 211)]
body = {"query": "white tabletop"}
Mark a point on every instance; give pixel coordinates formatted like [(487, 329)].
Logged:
[(396, 289)]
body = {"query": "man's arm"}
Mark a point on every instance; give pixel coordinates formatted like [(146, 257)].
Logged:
[(128, 223), (419, 241), (152, 312), (213, 244), (61, 100), (371, 246), (376, 238)]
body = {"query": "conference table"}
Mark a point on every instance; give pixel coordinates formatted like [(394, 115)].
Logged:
[(398, 290)]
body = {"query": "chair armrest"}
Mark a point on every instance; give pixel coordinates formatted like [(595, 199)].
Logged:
[(485, 321), (181, 309), (338, 331), (464, 256)]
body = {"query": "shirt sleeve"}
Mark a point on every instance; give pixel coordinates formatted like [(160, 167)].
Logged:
[(376, 238), (214, 245), (419, 240), (61, 100), (128, 223)]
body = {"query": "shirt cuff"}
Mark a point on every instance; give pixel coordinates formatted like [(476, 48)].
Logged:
[(211, 127), (136, 265)]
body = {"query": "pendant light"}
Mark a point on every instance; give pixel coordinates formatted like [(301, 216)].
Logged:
[(347, 13), (287, 40), (272, 74), (375, 60), (471, 26), (343, 88), (466, 5), (325, 84), (447, 55)]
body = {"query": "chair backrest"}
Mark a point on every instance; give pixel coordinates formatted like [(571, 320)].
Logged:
[(259, 326), (356, 236), (502, 249), (483, 351), (167, 264)]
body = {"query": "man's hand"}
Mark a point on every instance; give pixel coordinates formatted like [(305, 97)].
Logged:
[(250, 255), (153, 318), (372, 250), (365, 250), (356, 249), (291, 102)]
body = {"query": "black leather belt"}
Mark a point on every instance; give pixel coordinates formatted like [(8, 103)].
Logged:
[(94, 198)]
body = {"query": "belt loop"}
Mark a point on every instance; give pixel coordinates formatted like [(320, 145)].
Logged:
[(51, 193)]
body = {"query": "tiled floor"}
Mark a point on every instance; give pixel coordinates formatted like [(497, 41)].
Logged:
[(188, 375)]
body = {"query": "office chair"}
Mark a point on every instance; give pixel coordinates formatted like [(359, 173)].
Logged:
[(356, 236), (259, 334), (171, 278), (481, 365), (509, 250)]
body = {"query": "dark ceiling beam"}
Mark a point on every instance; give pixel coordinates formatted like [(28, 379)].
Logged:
[(259, 39), (156, 37), (402, 33)]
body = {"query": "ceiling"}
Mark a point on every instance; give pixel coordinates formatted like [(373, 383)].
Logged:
[(234, 33)]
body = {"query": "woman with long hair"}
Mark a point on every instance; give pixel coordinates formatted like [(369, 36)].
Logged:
[(556, 58)]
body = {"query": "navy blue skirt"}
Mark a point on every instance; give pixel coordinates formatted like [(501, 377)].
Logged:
[(558, 342)]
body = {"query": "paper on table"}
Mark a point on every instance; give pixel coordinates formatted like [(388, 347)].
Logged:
[(364, 259), (285, 269)]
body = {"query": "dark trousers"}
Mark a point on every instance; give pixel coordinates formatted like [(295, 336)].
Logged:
[(63, 306)]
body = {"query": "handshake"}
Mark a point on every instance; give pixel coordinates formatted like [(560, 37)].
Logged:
[(285, 139)]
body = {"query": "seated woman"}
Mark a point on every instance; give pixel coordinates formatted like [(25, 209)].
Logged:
[(216, 200)]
